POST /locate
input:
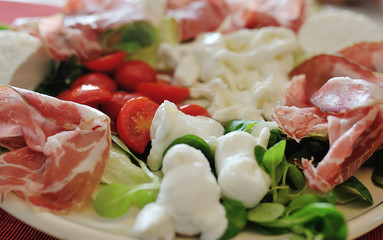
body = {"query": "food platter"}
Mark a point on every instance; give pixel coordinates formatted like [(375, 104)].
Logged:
[(84, 223)]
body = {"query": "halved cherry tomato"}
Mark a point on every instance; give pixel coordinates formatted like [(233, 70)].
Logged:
[(133, 72), (90, 95), (112, 107), (96, 79), (159, 92), (134, 121), (107, 63), (194, 110)]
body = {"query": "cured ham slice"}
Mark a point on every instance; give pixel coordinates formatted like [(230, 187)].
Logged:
[(354, 137), (298, 123), (64, 152), (264, 13), (76, 30), (197, 16), (368, 54), (351, 112), (344, 94), (319, 69)]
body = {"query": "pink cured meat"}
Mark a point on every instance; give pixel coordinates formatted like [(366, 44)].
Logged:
[(354, 125), (319, 69), (264, 13), (76, 30), (345, 94), (368, 54), (353, 139), (298, 123), (66, 146), (197, 16)]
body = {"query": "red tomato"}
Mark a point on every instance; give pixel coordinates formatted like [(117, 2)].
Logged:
[(107, 63), (134, 121), (131, 73), (194, 110), (90, 95), (96, 79), (113, 106), (160, 92), (65, 95)]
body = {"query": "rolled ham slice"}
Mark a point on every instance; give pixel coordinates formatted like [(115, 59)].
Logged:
[(58, 149)]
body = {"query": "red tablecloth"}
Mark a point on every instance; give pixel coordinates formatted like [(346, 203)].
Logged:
[(11, 228)]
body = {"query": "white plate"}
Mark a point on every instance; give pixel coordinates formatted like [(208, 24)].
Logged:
[(84, 223)]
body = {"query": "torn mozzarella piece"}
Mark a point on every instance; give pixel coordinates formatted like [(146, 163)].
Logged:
[(241, 74), (188, 201), (23, 61), (239, 175), (169, 124)]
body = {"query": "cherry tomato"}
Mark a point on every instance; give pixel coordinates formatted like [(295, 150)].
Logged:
[(65, 95), (90, 95), (106, 63), (131, 73), (113, 106), (134, 121), (194, 110), (159, 92), (96, 79)]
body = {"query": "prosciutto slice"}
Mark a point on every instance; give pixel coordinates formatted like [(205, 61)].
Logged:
[(318, 70), (350, 111), (76, 30), (337, 96), (367, 54), (199, 16), (59, 151)]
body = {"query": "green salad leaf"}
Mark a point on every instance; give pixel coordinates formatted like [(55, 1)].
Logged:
[(236, 215), (266, 212), (239, 125), (129, 37), (3, 150), (352, 189), (129, 184), (115, 199), (61, 76), (196, 142), (317, 220)]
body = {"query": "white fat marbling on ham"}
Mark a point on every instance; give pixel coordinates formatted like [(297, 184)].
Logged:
[(65, 149)]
